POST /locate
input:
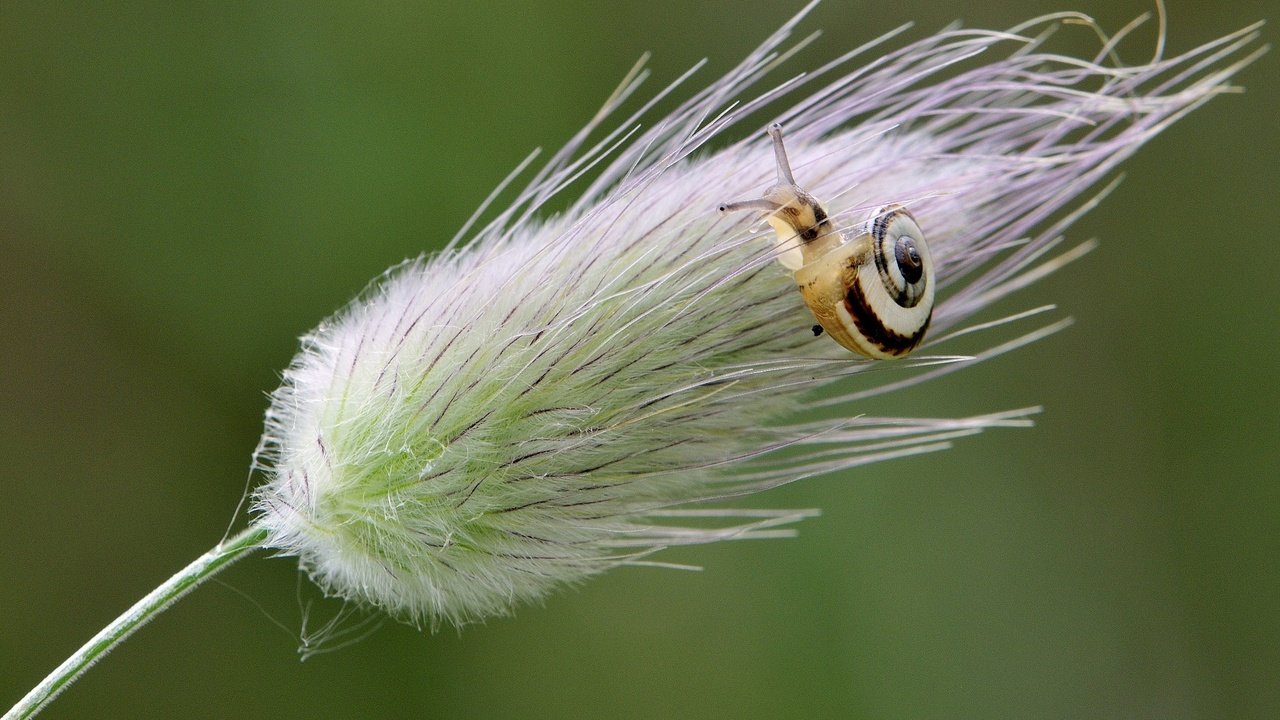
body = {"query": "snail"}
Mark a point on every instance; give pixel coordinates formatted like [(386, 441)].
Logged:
[(872, 292)]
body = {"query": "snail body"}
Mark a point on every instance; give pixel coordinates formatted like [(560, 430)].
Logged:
[(872, 292)]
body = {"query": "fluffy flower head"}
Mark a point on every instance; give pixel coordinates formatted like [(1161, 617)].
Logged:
[(559, 396)]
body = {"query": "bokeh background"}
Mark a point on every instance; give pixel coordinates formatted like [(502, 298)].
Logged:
[(184, 189)]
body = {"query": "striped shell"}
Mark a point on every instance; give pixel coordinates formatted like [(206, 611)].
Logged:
[(872, 292)]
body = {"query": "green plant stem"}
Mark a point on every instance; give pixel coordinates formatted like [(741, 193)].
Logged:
[(155, 602)]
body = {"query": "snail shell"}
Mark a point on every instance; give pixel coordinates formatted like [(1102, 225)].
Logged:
[(872, 293)]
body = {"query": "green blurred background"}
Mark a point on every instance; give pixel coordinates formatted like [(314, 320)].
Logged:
[(185, 189)]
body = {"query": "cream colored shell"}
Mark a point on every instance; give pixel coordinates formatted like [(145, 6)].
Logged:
[(873, 293)]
